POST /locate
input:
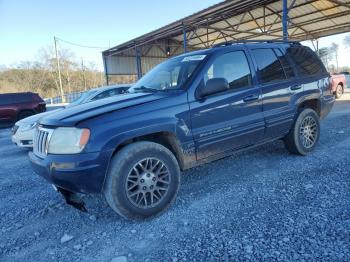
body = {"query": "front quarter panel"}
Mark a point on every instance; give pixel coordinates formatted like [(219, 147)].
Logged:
[(169, 114)]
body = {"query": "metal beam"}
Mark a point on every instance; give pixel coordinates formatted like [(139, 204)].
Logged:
[(290, 21), (340, 3), (184, 37), (328, 31), (270, 25), (138, 63)]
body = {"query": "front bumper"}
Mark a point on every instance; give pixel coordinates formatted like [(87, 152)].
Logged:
[(23, 138), (80, 173)]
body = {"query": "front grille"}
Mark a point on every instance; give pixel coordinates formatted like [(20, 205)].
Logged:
[(41, 141)]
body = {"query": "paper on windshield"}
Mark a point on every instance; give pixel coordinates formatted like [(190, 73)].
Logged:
[(193, 58)]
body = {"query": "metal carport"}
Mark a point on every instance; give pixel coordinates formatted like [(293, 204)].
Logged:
[(228, 21)]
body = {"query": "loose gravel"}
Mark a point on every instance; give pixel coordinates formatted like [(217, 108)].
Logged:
[(262, 204)]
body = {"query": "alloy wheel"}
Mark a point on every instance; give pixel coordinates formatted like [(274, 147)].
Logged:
[(308, 132), (147, 183)]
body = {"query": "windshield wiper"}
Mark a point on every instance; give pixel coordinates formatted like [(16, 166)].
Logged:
[(146, 89)]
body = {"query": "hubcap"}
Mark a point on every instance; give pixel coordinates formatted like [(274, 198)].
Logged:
[(340, 90), (147, 183), (308, 132)]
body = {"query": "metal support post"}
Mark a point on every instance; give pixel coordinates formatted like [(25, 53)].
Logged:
[(285, 20)]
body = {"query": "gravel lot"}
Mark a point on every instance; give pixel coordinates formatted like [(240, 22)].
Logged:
[(263, 204)]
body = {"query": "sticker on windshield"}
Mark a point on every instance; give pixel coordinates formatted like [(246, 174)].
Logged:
[(193, 58)]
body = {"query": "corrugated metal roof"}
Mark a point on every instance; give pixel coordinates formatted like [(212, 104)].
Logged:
[(239, 20), (251, 19)]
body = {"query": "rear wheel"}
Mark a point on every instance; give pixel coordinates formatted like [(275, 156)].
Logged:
[(339, 92), (142, 181), (304, 134), (25, 114)]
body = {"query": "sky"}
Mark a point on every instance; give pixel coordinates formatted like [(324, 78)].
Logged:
[(29, 25)]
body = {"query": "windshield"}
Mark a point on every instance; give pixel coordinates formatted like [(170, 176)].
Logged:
[(82, 98), (169, 75)]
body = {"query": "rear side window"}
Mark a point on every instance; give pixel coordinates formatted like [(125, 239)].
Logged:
[(306, 61), (5, 99), (269, 67), (288, 69), (104, 94), (37, 98), (16, 98), (233, 67)]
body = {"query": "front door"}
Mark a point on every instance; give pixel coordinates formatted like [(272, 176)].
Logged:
[(231, 119)]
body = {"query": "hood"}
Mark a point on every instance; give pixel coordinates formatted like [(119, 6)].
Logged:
[(35, 118), (74, 115)]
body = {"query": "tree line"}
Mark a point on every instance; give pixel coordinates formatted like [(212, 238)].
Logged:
[(329, 56), (41, 75)]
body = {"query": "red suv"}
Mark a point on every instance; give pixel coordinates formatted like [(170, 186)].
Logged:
[(16, 106)]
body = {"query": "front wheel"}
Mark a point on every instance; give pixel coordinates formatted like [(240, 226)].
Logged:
[(142, 181), (303, 136)]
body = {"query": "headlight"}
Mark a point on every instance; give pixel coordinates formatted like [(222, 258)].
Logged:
[(27, 127), (68, 140)]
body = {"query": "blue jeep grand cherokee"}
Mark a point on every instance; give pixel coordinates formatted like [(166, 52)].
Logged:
[(189, 110)]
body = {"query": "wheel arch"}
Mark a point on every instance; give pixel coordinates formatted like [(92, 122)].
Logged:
[(166, 138), (314, 104)]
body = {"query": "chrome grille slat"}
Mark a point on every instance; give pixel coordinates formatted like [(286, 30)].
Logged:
[(41, 141), (45, 144)]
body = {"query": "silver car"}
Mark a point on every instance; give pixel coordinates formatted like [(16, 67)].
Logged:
[(23, 130)]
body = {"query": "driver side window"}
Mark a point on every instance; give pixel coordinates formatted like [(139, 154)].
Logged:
[(233, 67)]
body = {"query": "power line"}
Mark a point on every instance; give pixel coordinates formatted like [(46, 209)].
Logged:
[(84, 46)]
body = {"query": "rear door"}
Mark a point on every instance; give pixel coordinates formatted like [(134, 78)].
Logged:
[(231, 119), (278, 83)]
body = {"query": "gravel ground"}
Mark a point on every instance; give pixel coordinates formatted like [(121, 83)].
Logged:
[(263, 204)]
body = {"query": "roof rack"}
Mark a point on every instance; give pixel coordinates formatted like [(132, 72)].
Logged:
[(254, 41)]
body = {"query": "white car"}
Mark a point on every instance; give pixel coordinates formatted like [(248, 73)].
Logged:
[(23, 130)]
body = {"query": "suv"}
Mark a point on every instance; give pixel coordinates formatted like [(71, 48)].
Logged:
[(16, 106), (189, 110)]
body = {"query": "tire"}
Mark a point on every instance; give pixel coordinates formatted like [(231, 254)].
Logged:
[(307, 124), (24, 114), (339, 91), (128, 175)]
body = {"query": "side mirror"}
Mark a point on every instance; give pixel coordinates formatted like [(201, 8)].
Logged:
[(213, 86)]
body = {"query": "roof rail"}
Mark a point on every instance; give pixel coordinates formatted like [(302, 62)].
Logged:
[(254, 41)]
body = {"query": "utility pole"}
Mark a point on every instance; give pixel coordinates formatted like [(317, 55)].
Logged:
[(59, 70), (83, 69)]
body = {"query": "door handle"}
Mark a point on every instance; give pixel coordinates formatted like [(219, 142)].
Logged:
[(295, 87), (251, 98)]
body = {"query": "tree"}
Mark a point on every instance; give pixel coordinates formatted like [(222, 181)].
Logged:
[(334, 50), (41, 75), (347, 41), (326, 55)]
